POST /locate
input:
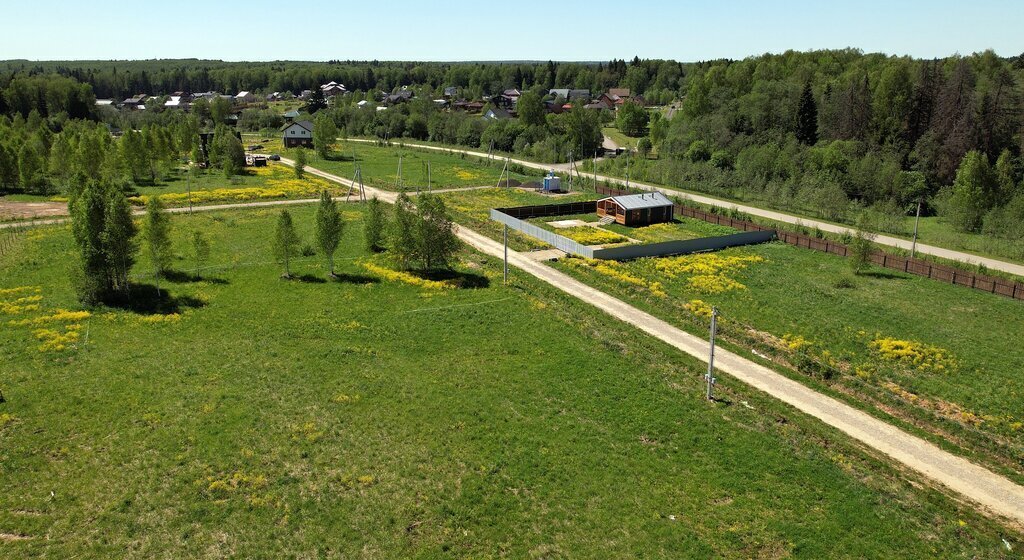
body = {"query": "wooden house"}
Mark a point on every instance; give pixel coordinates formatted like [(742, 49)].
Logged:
[(637, 209)]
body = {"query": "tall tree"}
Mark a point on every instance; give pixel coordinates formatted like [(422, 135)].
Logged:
[(325, 134), (435, 232), (402, 235), (156, 232), (329, 227), (375, 226), (531, 109), (286, 242), (966, 202), (807, 118), (300, 162), (316, 101)]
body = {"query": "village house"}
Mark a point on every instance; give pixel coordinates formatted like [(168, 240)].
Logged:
[(244, 98), (399, 97), (298, 133), (637, 209), (451, 92), (135, 102), (496, 114), (333, 89)]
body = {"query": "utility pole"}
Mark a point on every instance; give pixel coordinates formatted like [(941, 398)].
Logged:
[(709, 377), (570, 170), (917, 220), (627, 169), (505, 237), (190, 168), (398, 181)]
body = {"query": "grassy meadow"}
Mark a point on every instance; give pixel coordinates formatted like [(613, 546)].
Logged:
[(942, 358), (238, 414)]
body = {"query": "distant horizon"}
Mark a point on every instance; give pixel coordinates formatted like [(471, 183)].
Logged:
[(464, 31), (494, 61)]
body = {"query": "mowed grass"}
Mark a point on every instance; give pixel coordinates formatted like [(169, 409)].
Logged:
[(370, 418), (810, 313)]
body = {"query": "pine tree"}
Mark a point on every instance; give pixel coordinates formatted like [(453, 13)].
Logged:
[(286, 242), (316, 101), (807, 118), (328, 229), (375, 226)]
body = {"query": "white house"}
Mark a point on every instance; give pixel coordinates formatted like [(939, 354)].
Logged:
[(299, 133)]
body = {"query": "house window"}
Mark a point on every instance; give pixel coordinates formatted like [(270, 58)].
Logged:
[(293, 133)]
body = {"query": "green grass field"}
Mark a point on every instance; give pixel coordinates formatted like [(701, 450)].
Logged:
[(244, 415), (939, 357)]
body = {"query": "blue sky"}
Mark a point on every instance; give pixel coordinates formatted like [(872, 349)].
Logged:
[(522, 30)]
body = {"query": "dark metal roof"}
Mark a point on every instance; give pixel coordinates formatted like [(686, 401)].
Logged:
[(304, 124)]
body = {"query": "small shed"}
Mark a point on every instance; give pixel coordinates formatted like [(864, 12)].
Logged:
[(298, 133), (637, 209)]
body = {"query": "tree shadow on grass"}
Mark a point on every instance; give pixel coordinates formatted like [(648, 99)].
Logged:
[(338, 157), (462, 279), (884, 275), (145, 299), (179, 277), (309, 279), (346, 278)]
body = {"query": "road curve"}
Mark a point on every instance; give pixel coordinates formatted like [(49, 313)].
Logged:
[(950, 254)]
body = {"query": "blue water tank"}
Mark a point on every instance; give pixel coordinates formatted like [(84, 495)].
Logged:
[(552, 182)]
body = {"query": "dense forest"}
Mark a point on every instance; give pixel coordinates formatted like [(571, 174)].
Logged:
[(839, 134)]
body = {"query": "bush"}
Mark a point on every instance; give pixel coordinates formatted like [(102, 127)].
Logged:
[(722, 159), (699, 150), (844, 283)]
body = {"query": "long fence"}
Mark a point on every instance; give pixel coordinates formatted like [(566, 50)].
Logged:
[(516, 217), (909, 265)]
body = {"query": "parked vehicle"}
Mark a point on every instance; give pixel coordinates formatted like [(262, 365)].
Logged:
[(275, 157)]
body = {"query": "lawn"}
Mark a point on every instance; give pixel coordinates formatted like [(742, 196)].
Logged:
[(940, 357), (244, 415)]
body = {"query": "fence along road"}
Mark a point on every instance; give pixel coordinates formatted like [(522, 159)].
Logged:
[(995, 493), (950, 254)]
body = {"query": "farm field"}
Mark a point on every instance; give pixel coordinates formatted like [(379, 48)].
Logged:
[(245, 415), (939, 357)]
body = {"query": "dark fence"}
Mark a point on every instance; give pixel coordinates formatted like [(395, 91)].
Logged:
[(919, 267), (542, 210)]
